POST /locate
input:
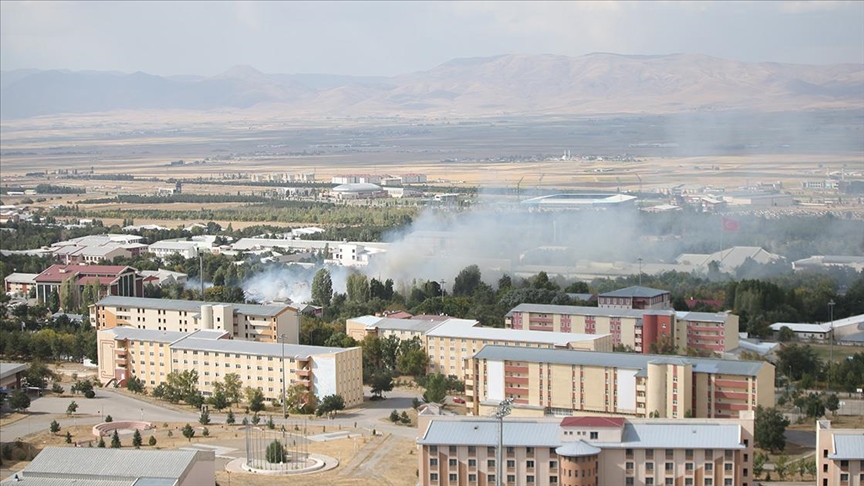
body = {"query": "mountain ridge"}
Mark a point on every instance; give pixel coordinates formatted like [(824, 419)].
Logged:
[(502, 84)]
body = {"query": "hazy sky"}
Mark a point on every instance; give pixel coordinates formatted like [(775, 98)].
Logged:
[(388, 38)]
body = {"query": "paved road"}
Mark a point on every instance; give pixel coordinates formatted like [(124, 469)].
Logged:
[(90, 411)]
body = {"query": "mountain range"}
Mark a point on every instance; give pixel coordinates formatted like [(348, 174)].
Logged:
[(506, 84)]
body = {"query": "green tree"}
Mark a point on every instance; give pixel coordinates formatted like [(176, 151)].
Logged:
[(663, 345), (381, 382), (414, 362), (205, 432), (230, 418), (781, 466), (135, 385), (275, 452), (436, 388), (55, 427), (204, 418), (330, 404), (69, 295), (152, 441), (358, 288), (322, 288), (770, 428), (101, 442), (109, 418), (832, 404), (255, 397), (300, 399), (232, 385), (394, 416), (188, 432), (759, 460), (115, 440), (404, 418), (136, 439), (68, 437), (72, 408), (785, 335), (467, 281), (218, 399), (19, 401)]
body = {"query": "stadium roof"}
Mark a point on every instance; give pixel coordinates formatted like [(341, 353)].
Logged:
[(616, 360)]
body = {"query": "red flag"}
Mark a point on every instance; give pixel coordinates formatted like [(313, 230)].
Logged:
[(730, 224)]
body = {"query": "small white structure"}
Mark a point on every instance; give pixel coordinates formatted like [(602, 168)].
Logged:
[(187, 249), (818, 332)]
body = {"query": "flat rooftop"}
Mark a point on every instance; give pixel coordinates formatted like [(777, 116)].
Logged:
[(191, 305)]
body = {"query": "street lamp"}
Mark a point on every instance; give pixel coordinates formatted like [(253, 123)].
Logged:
[(831, 337), (504, 409), (284, 405)]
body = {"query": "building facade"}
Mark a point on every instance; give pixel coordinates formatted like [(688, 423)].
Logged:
[(152, 354), (633, 328), (563, 382), (250, 322), (636, 297), (115, 280), (583, 451), (840, 456), (19, 283)]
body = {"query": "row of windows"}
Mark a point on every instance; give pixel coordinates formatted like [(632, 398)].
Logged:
[(490, 478)]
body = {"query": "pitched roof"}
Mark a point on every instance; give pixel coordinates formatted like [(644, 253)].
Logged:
[(617, 360), (678, 435), (577, 310), (635, 291), (88, 462), (485, 433), (57, 273), (464, 328), (191, 305), (798, 327), (848, 446), (614, 422)]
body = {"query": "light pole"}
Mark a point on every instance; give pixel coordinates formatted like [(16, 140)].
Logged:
[(504, 409), (831, 337), (284, 405)]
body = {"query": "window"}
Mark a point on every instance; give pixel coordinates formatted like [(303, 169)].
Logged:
[(688, 481), (529, 464), (472, 462), (452, 462), (553, 464), (628, 481), (529, 479), (491, 450), (842, 463), (490, 479), (670, 482), (727, 467), (511, 478), (844, 477), (649, 466), (629, 466), (670, 453), (472, 478), (649, 481), (709, 454), (709, 482), (472, 449), (594, 435), (709, 466), (511, 463), (670, 466), (433, 477), (433, 449), (490, 463), (727, 482), (452, 477), (688, 467), (649, 453), (553, 479), (452, 449), (433, 461)]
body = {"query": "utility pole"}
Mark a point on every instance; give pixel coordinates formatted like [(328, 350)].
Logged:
[(504, 409), (831, 337), (284, 405), (201, 271)]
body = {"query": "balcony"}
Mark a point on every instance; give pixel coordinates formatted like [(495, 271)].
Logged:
[(522, 380), (515, 369), (120, 361), (731, 384), (302, 372), (509, 390)]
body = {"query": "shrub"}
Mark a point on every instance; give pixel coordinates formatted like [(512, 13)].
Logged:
[(152, 441)]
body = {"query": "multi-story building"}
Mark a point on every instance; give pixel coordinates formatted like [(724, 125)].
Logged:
[(152, 354), (112, 280), (451, 342), (583, 451), (566, 382), (840, 456), (186, 249), (636, 297), (19, 283), (252, 322), (633, 328)]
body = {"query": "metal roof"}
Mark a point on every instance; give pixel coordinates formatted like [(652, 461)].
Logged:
[(253, 348), (530, 433), (191, 305), (635, 291), (677, 435), (577, 310), (577, 449), (485, 433), (126, 332), (26, 278), (460, 328), (848, 446), (110, 464), (797, 327), (9, 369), (616, 360), (390, 324), (27, 480), (701, 316)]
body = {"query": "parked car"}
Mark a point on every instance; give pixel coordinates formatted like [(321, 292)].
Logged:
[(458, 400)]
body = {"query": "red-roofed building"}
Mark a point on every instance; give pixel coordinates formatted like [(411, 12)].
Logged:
[(112, 279)]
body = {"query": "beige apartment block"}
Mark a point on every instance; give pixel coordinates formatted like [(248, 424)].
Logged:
[(252, 322), (152, 354), (404, 329), (840, 456), (633, 328), (566, 382), (583, 451)]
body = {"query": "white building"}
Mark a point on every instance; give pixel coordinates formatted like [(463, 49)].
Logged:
[(818, 332), (186, 249)]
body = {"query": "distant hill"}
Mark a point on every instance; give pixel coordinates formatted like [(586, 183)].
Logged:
[(511, 84)]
